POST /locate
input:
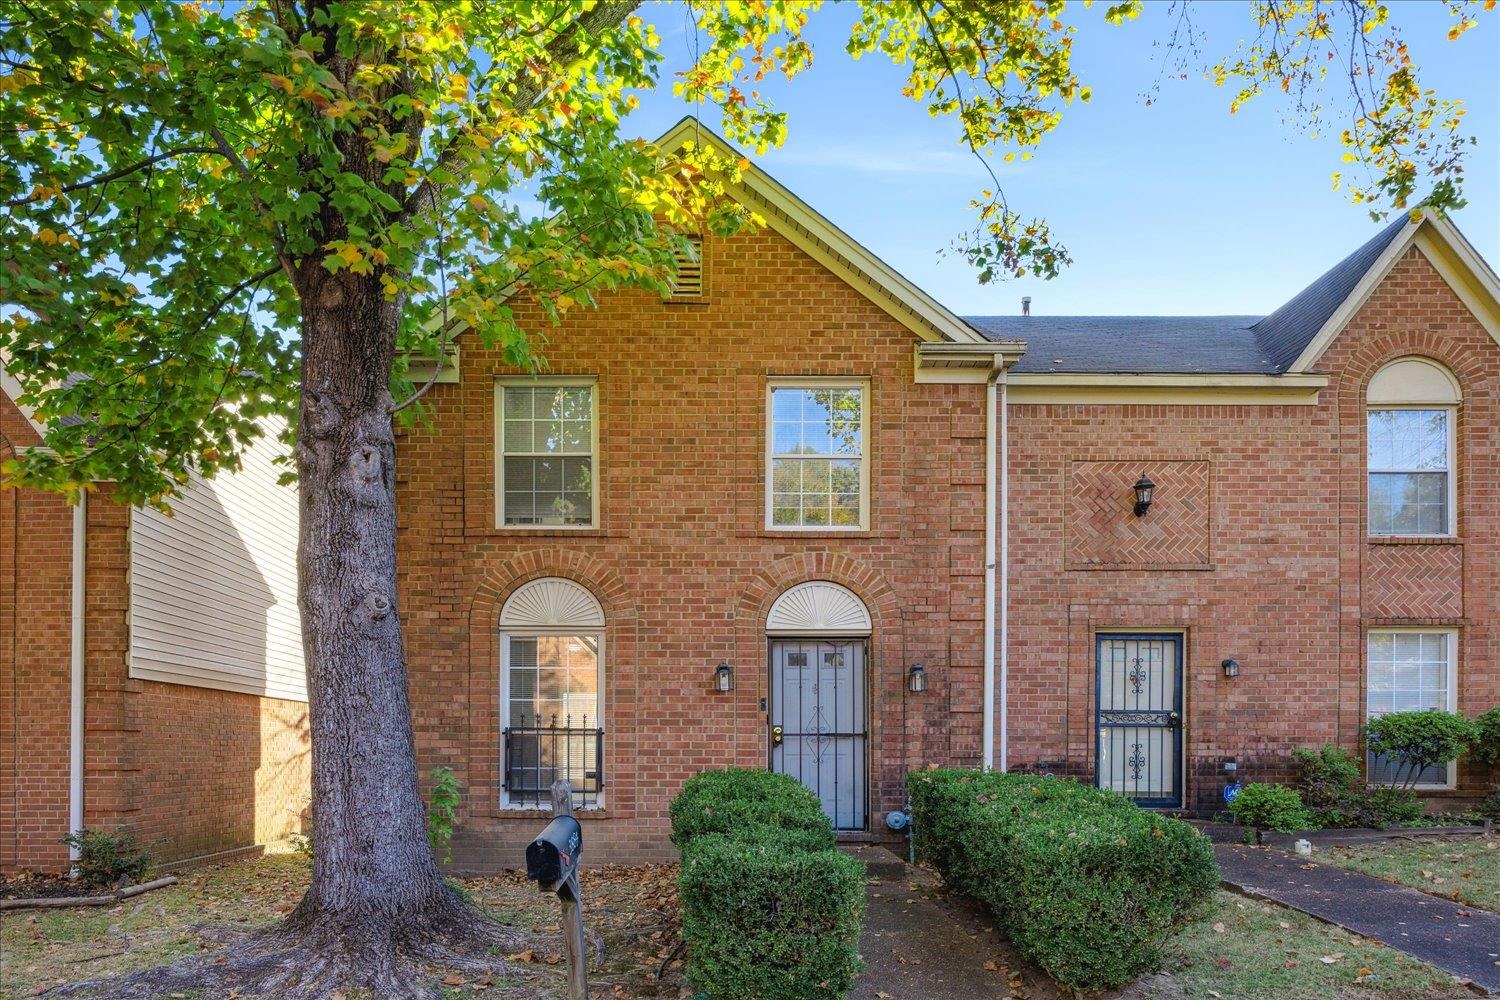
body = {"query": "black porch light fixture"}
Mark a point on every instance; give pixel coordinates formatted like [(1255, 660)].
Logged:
[(916, 680), (1144, 487), (723, 678), (1231, 668)]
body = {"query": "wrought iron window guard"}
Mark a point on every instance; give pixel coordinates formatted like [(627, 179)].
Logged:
[(540, 751)]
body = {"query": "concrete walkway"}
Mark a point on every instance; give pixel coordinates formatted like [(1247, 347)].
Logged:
[(922, 943), (1453, 937)]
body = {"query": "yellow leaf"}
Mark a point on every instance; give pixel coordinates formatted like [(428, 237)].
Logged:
[(349, 253), (46, 237), (279, 82)]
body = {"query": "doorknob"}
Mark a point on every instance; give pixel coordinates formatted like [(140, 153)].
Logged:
[(776, 735), (1172, 717)]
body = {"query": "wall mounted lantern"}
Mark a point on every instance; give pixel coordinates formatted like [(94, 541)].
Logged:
[(724, 678), (1231, 668), (917, 679), (1144, 487)]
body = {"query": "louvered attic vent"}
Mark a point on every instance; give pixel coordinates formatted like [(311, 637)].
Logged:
[(689, 283)]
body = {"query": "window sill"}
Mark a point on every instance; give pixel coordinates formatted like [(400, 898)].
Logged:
[(545, 812), (1414, 540), (801, 534), (548, 532)]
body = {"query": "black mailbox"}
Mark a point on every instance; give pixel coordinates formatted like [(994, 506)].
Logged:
[(553, 856)]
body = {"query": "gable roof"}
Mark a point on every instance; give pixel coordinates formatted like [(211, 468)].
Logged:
[(1131, 344), (1288, 341), (825, 242), (1287, 332)]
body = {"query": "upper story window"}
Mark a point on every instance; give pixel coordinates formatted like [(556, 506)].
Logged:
[(817, 454), (1410, 449), (547, 442)]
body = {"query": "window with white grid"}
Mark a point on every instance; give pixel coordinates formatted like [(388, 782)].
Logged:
[(1410, 467), (547, 439), (1410, 670), (817, 465)]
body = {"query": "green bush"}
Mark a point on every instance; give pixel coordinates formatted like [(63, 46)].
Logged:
[(761, 920), (729, 800), (1415, 741), (1271, 807), (109, 859), (1333, 789), (1085, 884), (442, 813), (1486, 748), (769, 908)]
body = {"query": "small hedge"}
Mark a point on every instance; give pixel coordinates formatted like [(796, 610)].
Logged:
[(769, 908), (1086, 885)]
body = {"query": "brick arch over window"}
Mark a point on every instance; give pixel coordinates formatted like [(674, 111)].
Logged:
[(496, 585)]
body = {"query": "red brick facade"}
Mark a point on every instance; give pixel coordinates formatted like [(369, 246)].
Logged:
[(1255, 549), (192, 771), (1290, 582)]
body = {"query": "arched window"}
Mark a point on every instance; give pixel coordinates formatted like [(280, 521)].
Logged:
[(552, 692), (1412, 409)]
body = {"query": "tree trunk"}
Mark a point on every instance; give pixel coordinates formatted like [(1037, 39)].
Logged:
[(372, 866)]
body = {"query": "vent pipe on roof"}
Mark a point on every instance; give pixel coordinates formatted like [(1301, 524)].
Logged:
[(1026, 305)]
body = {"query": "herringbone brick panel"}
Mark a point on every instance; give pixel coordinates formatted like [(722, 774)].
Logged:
[(1104, 533)]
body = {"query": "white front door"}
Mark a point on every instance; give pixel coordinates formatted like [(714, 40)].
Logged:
[(1139, 716)]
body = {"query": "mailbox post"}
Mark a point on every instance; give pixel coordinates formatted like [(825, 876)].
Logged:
[(552, 862)]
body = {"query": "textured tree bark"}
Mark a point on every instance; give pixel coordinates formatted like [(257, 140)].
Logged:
[(372, 861)]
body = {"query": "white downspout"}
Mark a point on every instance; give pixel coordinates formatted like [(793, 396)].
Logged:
[(1004, 579), (990, 393), (76, 686)]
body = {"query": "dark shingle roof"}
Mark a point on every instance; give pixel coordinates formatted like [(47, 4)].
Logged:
[(1187, 344), (1286, 333), (1206, 344)]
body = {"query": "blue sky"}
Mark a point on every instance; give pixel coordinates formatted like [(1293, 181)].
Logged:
[(1173, 208)]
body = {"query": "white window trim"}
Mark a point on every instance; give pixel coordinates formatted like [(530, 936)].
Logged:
[(805, 382), (560, 381), (506, 635), (1452, 706), (1451, 471)]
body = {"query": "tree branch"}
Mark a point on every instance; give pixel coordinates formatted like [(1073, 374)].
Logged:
[(277, 240), (115, 175), (529, 90)]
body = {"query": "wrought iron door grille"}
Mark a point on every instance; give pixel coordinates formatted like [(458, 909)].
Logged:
[(1138, 720), (539, 754)]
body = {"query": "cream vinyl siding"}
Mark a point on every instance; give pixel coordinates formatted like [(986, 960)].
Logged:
[(213, 589)]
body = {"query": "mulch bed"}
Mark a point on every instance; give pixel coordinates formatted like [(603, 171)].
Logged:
[(35, 885)]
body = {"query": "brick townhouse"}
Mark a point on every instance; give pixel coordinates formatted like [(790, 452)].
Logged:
[(150, 667), (798, 515)]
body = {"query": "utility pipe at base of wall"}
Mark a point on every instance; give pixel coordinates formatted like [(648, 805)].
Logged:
[(1004, 579), (75, 672)]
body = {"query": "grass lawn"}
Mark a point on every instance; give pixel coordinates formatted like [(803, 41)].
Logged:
[(1463, 869), (1241, 950), (1247, 949)]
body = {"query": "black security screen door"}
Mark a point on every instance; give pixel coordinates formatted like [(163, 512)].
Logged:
[(819, 723), (1139, 716)]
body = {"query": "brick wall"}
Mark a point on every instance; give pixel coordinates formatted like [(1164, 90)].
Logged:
[(1290, 582), (680, 560), (193, 770)]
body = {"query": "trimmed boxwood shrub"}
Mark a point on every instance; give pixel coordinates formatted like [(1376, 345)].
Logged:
[(1085, 884), (733, 799), (769, 908)]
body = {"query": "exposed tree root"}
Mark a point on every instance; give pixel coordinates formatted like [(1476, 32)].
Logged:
[(316, 956)]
